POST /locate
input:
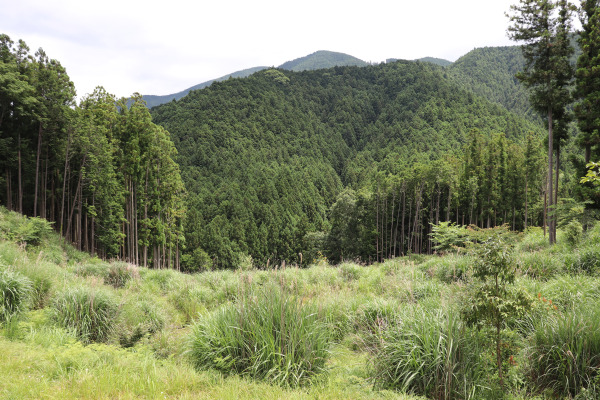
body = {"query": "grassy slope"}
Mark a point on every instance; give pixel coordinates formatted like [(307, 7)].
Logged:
[(40, 360)]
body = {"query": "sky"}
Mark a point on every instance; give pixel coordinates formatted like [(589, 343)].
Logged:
[(163, 47)]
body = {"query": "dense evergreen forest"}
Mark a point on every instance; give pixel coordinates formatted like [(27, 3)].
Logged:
[(349, 162), (101, 171), (354, 162)]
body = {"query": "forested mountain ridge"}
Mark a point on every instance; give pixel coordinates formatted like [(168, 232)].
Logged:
[(265, 157), (317, 60), (490, 73), (155, 100)]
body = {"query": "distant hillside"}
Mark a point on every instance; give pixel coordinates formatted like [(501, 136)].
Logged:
[(264, 158), (317, 60), (438, 61), (322, 59), (153, 100), (490, 73)]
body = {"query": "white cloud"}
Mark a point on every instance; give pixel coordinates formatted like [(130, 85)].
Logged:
[(163, 47)]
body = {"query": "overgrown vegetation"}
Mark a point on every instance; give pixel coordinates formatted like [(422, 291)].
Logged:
[(390, 330)]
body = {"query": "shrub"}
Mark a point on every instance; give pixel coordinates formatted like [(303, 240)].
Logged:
[(370, 322), (573, 232), (564, 352), (14, 293), (539, 265), (268, 334), (350, 272), (119, 273), (89, 313), (141, 320), (428, 354)]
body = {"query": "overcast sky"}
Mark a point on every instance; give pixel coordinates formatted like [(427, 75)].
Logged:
[(164, 47)]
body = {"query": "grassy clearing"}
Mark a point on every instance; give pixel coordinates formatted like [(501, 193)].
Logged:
[(91, 329)]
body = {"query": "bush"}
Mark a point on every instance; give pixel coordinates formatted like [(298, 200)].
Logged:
[(268, 334), (89, 313), (586, 260), (119, 273), (428, 354), (14, 293), (539, 265), (141, 320), (350, 272), (573, 232), (371, 320), (564, 352)]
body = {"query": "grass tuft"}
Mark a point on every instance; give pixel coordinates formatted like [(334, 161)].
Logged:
[(268, 334), (91, 313)]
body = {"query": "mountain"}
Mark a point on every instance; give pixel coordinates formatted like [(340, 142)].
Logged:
[(490, 72), (154, 100), (322, 59), (317, 60), (266, 158), (438, 61)]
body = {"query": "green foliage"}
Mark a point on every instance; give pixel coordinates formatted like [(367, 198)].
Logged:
[(266, 164), (14, 294), (119, 273), (267, 334), (23, 230), (573, 232), (564, 350), (448, 236), (585, 260), (492, 302), (90, 313), (540, 265), (429, 354), (592, 175)]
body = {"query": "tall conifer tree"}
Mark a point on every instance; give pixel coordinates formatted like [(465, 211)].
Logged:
[(543, 27)]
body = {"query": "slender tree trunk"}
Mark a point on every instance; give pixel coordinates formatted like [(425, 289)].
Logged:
[(449, 203), (65, 178), (37, 169), (20, 180), (392, 244), (8, 189), (377, 224), (402, 231), (550, 213), (76, 195), (526, 199), (556, 185)]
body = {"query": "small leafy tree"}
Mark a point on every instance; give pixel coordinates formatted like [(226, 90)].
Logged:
[(493, 302), (592, 174)]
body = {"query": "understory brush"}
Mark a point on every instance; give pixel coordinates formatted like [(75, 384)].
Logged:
[(89, 312), (268, 334), (430, 353), (564, 349)]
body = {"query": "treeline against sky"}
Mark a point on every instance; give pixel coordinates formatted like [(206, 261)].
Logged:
[(101, 171)]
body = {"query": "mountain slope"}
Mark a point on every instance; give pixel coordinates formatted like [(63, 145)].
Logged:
[(265, 157), (154, 100), (318, 60), (322, 59), (490, 72)]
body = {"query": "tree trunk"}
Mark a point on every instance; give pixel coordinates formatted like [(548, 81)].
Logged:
[(20, 179), (76, 194), (8, 189), (37, 169), (550, 212)]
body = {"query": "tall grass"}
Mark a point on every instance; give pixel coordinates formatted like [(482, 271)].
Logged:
[(428, 353), (14, 294), (91, 313), (564, 352), (267, 334)]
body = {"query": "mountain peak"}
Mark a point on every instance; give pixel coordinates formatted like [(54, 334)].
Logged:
[(322, 59)]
